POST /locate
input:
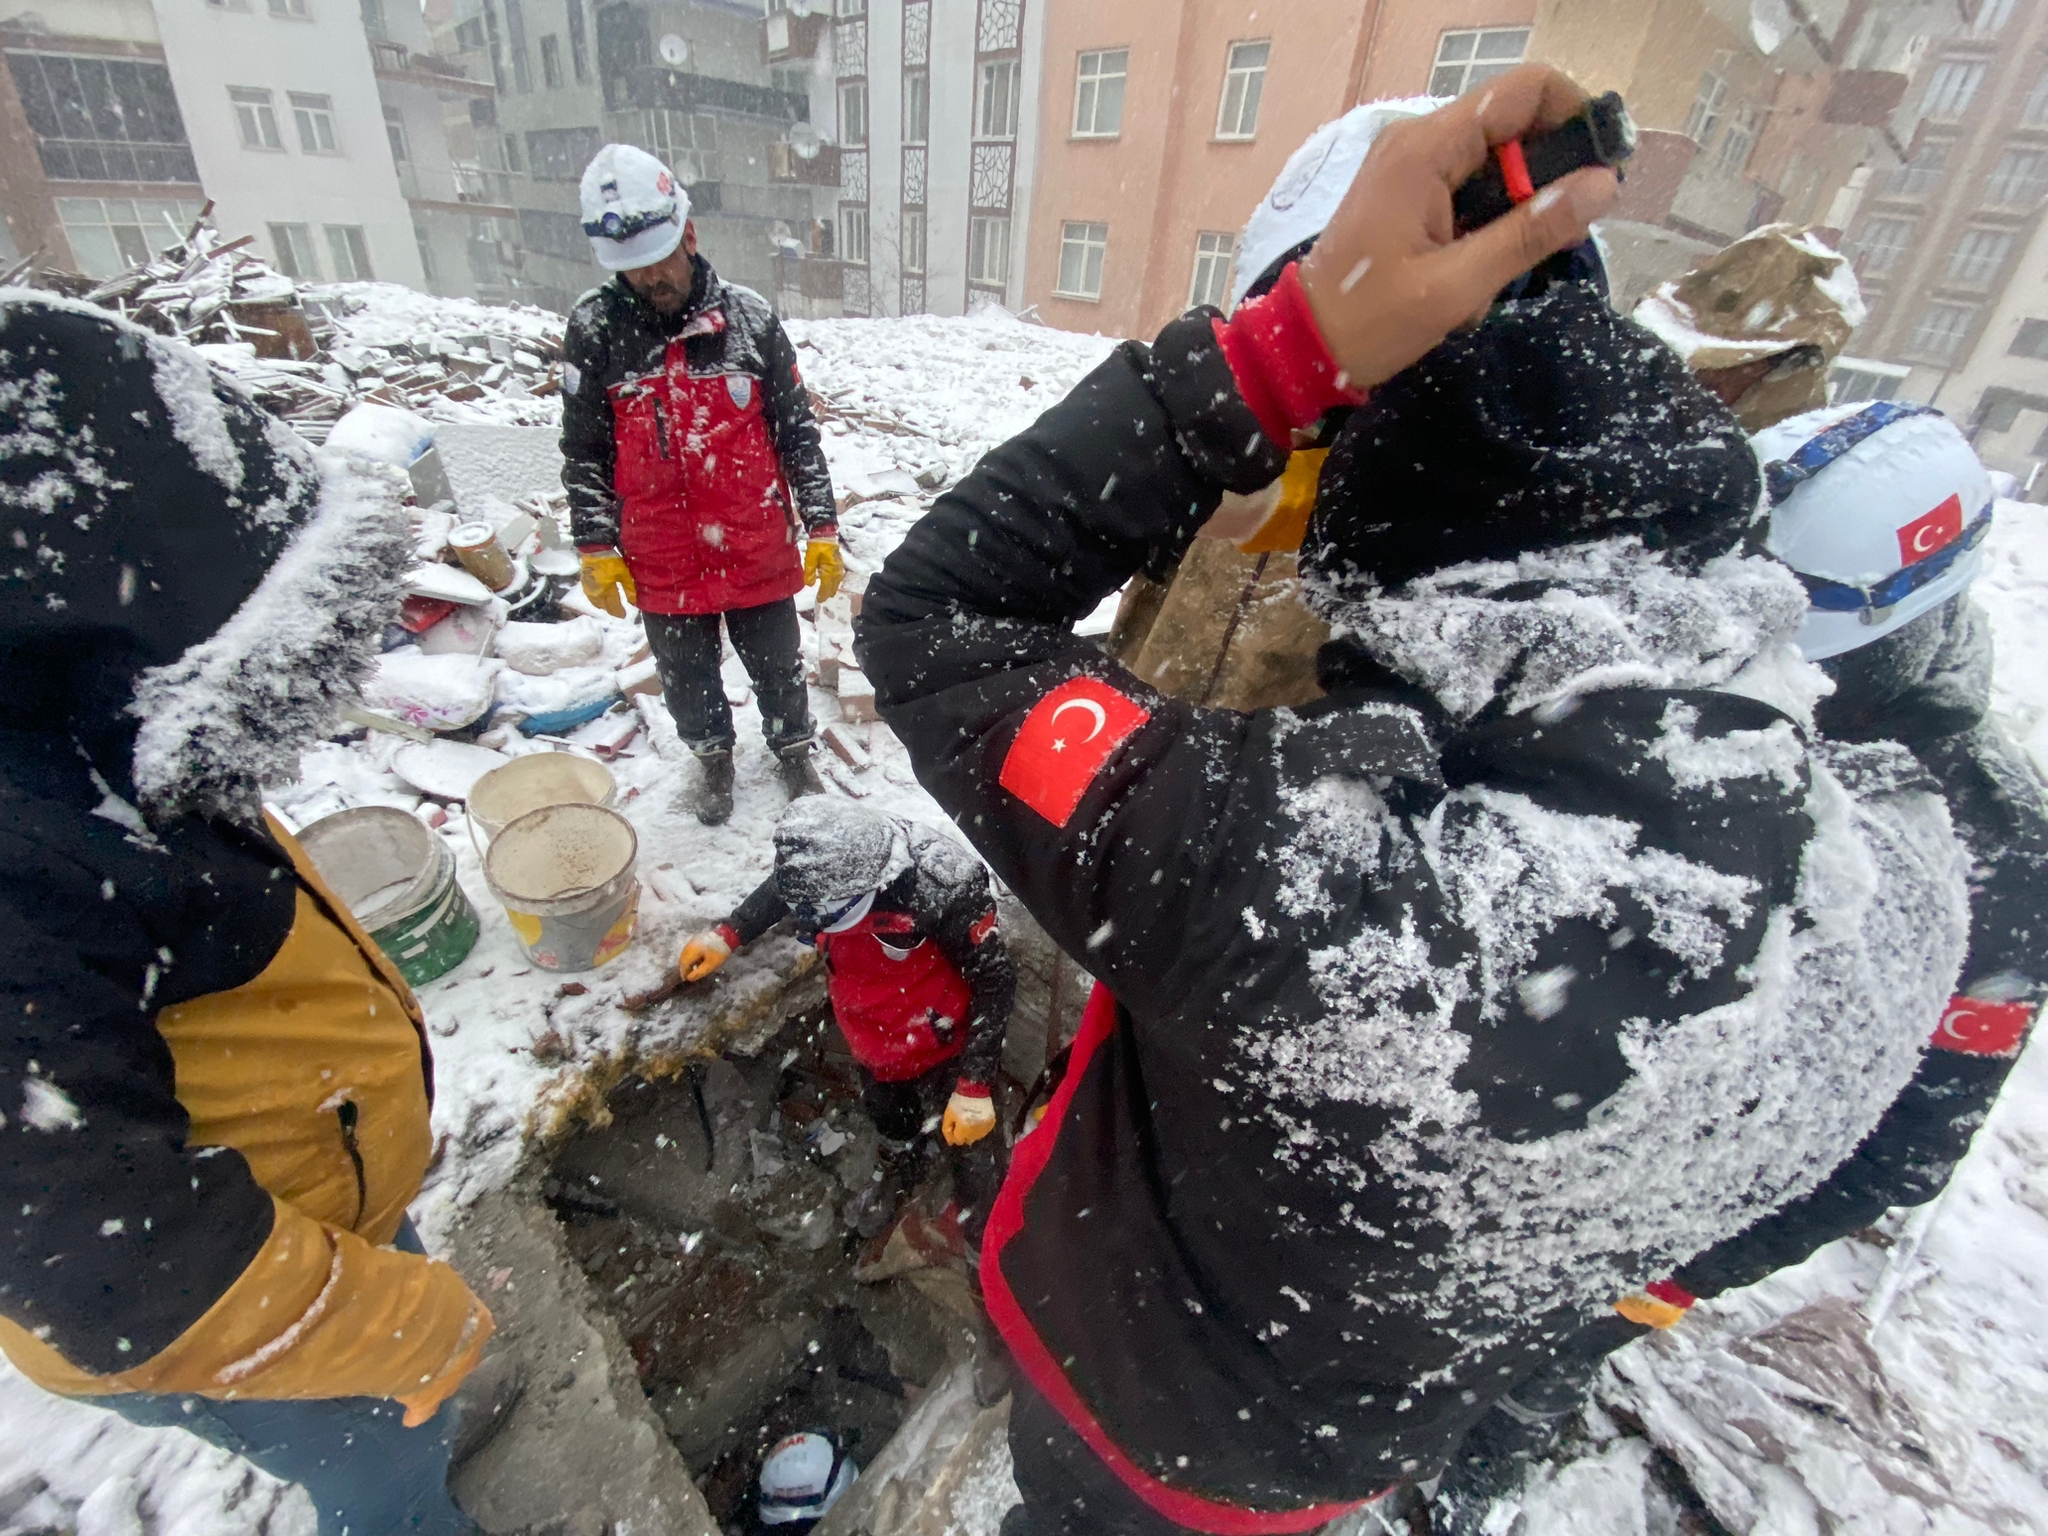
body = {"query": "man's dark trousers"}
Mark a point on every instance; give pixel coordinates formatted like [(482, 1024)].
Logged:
[(770, 645)]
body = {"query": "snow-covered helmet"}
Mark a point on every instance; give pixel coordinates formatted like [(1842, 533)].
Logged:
[(803, 1477), (829, 852), (633, 210), (1881, 510), (1310, 186)]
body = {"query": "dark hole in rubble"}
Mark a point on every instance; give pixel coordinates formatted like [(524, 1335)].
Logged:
[(749, 1277)]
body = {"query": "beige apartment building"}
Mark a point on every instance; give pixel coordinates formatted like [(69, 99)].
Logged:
[(1163, 125)]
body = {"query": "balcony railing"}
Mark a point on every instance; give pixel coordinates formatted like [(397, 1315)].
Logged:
[(821, 169)]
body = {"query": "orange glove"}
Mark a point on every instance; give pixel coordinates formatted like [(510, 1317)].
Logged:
[(705, 953), (1660, 1304), (1284, 527), (823, 566), (970, 1115), (422, 1405), (605, 577)]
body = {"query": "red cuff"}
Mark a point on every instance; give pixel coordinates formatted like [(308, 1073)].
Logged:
[(1282, 365), (1671, 1293), (823, 531), (972, 1090), (730, 934)]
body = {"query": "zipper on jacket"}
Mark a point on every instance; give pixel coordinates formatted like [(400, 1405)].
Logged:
[(346, 1112), (661, 429)]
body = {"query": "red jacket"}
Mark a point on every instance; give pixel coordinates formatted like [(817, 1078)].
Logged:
[(689, 443)]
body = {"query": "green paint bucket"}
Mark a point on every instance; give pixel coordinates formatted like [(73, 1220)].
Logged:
[(565, 874), (398, 879)]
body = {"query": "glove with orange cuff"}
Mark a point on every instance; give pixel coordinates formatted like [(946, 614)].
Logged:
[(707, 951), (970, 1114), (606, 581), (1660, 1304)]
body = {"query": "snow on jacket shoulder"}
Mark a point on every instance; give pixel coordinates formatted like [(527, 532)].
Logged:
[(689, 443), (1445, 1018)]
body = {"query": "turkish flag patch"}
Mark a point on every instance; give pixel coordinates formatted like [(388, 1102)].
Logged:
[(1978, 1028), (1064, 741), (1931, 532)]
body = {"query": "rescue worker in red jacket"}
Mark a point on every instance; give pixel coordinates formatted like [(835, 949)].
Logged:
[(917, 972), (693, 468)]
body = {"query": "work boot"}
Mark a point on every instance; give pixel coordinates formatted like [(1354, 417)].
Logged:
[(798, 776), (713, 800)]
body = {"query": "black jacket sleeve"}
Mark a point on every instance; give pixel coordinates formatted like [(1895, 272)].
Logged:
[(961, 918), (762, 910), (795, 431), (588, 450), (968, 626)]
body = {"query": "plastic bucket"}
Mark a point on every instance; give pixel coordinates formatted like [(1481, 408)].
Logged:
[(398, 879), (565, 875), (526, 784)]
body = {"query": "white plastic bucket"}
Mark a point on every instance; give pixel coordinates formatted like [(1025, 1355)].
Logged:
[(527, 784), (565, 876)]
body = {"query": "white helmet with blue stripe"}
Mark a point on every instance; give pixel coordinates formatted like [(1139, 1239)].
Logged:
[(1881, 509), (803, 1477)]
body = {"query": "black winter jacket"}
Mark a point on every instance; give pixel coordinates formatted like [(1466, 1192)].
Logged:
[(1365, 1128)]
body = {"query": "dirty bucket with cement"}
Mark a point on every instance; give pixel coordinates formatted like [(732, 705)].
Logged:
[(527, 784), (398, 879), (565, 874)]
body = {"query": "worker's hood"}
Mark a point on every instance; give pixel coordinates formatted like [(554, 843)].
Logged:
[(191, 594)]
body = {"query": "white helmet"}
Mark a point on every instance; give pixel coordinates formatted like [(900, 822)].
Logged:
[(633, 211), (805, 1475), (1311, 185), (1881, 510)]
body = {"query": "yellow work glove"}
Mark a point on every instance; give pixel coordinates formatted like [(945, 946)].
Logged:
[(1660, 1304), (823, 567), (604, 577), (1286, 524), (705, 953), (970, 1115)]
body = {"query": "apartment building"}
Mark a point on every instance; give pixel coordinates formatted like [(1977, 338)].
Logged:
[(1165, 124), (309, 123)]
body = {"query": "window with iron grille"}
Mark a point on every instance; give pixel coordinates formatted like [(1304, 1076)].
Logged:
[(1082, 248), (1979, 257), (1244, 81), (314, 116), (2019, 180), (1708, 103), (1940, 332), (988, 250), (1211, 283), (1951, 88), (559, 154), (1879, 245), (1099, 93), (996, 117), (1463, 59), (100, 119)]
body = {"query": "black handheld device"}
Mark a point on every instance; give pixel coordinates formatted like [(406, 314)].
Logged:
[(1602, 134)]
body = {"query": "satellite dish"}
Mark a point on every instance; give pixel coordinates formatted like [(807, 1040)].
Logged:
[(674, 50), (803, 138)]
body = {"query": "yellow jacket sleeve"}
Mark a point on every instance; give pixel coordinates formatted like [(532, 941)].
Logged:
[(319, 1313)]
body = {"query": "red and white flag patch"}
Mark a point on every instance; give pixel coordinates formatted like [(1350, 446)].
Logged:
[(1979, 1028), (1064, 742), (1931, 532)]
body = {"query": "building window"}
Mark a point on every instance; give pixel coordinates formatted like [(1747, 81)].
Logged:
[(419, 238), (109, 235), (1739, 140), (913, 240), (256, 118), (296, 9), (917, 106), (853, 7), (1211, 285), (1851, 380), (293, 246), (99, 119), (1463, 59), (559, 154), (553, 234), (686, 142), (988, 250), (1951, 88), (394, 129), (515, 36), (1881, 243), (551, 61), (1244, 77), (998, 116), (1979, 257), (853, 111), (2018, 180), (1082, 247), (350, 253), (373, 20), (1099, 93), (469, 35), (853, 235), (579, 42), (1939, 335), (315, 118), (1991, 18), (2032, 340), (1708, 103), (2036, 111), (1922, 173)]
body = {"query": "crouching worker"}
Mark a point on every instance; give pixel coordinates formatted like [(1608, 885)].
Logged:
[(213, 1085), (916, 971), (1442, 1012)]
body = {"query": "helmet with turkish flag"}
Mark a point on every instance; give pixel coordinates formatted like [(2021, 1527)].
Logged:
[(1881, 509), (633, 210)]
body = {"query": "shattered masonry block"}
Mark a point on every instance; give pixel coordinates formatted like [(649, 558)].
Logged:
[(640, 678), (839, 775), (849, 751), (856, 696)]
